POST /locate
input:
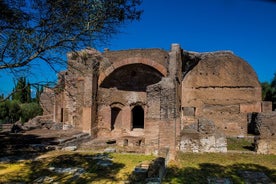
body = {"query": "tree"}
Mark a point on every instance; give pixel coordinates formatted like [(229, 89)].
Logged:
[(14, 111), (22, 91), (269, 91), (32, 31), (273, 82), (4, 111), (29, 111), (39, 91), (273, 86)]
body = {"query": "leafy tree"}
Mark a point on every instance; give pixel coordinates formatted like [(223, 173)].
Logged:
[(273, 82), (273, 86), (39, 91), (33, 31), (269, 91), (14, 111), (4, 111), (29, 111)]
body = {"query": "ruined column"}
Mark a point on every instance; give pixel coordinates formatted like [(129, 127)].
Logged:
[(163, 109)]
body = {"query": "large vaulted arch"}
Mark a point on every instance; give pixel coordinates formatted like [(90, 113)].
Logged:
[(131, 61), (132, 77)]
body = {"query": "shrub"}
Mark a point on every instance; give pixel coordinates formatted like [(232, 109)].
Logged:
[(29, 111), (14, 110)]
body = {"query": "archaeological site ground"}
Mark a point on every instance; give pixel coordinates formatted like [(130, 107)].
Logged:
[(160, 110)]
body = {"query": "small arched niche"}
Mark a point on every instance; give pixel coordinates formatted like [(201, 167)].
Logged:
[(138, 117), (116, 117)]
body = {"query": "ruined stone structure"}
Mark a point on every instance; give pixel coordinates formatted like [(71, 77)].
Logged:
[(154, 99), (264, 126)]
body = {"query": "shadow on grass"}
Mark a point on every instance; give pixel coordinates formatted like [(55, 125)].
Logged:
[(70, 168), (191, 175), (22, 146), (249, 148), (240, 144)]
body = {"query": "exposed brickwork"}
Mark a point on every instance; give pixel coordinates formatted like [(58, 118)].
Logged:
[(266, 106), (151, 96), (224, 88)]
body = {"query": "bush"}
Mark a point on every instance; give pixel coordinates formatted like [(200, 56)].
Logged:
[(4, 111), (9, 111), (29, 111)]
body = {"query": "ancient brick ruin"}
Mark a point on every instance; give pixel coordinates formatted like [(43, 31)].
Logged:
[(155, 100)]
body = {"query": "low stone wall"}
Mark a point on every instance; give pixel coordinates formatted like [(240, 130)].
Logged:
[(264, 125), (196, 142), (152, 172), (6, 127), (202, 137), (265, 146)]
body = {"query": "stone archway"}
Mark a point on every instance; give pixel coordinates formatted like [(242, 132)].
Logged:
[(129, 61), (132, 77)]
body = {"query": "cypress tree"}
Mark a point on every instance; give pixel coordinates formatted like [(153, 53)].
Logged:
[(22, 91)]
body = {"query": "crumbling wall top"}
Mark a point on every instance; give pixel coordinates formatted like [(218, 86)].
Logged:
[(221, 68)]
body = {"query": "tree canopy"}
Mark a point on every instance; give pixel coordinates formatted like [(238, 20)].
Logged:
[(44, 30), (22, 106), (22, 91), (269, 91)]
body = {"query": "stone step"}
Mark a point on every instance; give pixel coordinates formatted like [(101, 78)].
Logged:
[(74, 140)]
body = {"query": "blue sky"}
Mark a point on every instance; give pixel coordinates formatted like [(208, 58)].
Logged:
[(246, 27)]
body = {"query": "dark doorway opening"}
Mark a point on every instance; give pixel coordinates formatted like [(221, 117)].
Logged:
[(115, 117), (137, 117), (61, 115)]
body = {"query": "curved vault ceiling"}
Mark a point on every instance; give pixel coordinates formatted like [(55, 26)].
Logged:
[(133, 77)]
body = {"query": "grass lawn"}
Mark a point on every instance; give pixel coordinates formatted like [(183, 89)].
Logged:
[(28, 171), (240, 144), (196, 168), (189, 168)]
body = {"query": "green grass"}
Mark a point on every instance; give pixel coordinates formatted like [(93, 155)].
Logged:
[(28, 171), (240, 144), (196, 168), (188, 168)]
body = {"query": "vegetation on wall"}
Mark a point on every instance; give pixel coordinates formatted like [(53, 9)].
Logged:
[(269, 91)]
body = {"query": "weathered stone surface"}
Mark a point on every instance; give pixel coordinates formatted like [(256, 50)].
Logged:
[(196, 141), (189, 111), (222, 87), (263, 125), (110, 150), (149, 173), (206, 126), (70, 148), (212, 180), (151, 95), (157, 168), (266, 106)]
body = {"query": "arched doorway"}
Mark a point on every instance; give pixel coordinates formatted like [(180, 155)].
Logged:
[(137, 117), (116, 117)]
